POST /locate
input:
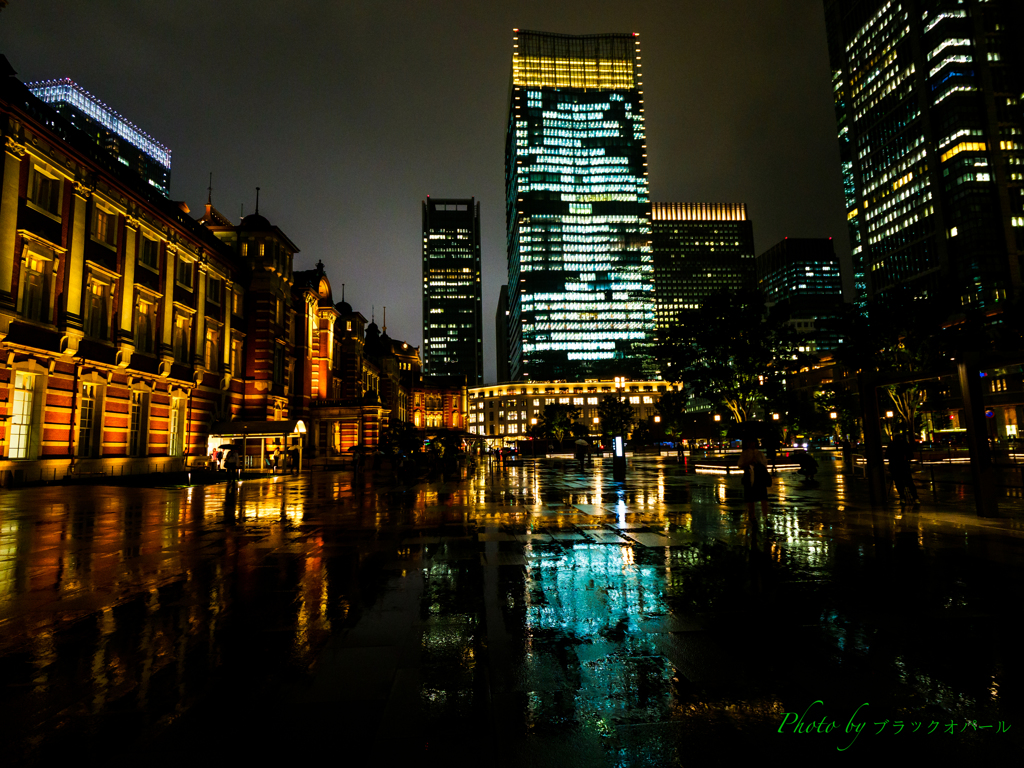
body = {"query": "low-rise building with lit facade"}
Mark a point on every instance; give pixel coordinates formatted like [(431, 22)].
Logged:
[(509, 410)]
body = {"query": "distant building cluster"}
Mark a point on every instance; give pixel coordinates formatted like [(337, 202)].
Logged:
[(136, 337), (135, 333)]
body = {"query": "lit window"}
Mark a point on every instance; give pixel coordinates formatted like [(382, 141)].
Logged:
[(145, 325), (97, 310), (22, 415), (86, 420), (211, 351), (104, 226), (136, 434), (148, 253), (44, 192), (181, 340), (35, 281), (183, 273)]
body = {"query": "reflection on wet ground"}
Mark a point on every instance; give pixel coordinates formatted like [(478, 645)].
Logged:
[(528, 615)]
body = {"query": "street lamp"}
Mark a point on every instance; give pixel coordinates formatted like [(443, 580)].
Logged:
[(775, 417), (718, 417), (657, 419), (833, 415)]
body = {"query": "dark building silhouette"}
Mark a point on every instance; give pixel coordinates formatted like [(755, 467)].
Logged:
[(452, 305), (126, 142), (800, 277), (581, 297), (501, 334), (699, 249), (929, 117)]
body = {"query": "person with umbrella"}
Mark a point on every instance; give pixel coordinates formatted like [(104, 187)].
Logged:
[(582, 448), (756, 480)]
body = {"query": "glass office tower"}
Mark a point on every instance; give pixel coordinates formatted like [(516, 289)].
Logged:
[(128, 143), (452, 309), (580, 288), (699, 249), (928, 106)]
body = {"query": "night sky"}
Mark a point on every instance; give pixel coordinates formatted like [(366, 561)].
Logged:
[(348, 114)]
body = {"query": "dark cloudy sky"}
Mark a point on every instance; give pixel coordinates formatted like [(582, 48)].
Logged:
[(347, 113)]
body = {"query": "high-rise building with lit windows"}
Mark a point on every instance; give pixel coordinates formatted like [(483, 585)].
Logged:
[(699, 249), (126, 142), (580, 287), (800, 276), (928, 100), (452, 309)]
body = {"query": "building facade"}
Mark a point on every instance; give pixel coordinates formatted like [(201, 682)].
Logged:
[(511, 409), (126, 142), (928, 107), (699, 249), (116, 308), (137, 339), (580, 272), (452, 299)]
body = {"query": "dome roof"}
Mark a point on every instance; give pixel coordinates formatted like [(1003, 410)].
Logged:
[(344, 307), (255, 221)]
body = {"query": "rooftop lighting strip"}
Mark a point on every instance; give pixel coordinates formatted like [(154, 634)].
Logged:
[(66, 90)]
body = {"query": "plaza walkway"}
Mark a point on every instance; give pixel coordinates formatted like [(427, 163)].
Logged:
[(529, 614)]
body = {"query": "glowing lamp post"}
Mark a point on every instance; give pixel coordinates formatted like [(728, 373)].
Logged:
[(619, 442)]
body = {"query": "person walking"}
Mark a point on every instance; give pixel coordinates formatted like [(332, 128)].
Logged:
[(898, 453), (231, 464), (756, 480)]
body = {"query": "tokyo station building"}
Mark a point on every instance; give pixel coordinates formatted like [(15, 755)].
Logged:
[(135, 337)]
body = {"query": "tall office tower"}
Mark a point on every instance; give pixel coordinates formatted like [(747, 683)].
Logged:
[(501, 334), (123, 140), (699, 249), (452, 329), (801, 276), (581, 299), (928, 105)]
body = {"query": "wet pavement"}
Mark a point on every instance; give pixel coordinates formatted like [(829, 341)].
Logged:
[(527, 615)]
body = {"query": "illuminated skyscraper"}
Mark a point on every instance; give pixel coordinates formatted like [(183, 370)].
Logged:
[(581, 298), (452, 328), (699, 249), (928, 104), (125, 141)]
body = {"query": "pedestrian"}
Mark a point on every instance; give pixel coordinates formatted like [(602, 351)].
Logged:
[(231, 464), (756, 479), (277, 459), (898, 454), (293, 458)]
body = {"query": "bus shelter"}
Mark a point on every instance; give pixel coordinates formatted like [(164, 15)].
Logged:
[(259, 439)]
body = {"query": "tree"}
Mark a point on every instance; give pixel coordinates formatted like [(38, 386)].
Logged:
[(898, 336), (672, 409), (729, 353), (616, 415), (845, 405), (643, 432), (558, 420)]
